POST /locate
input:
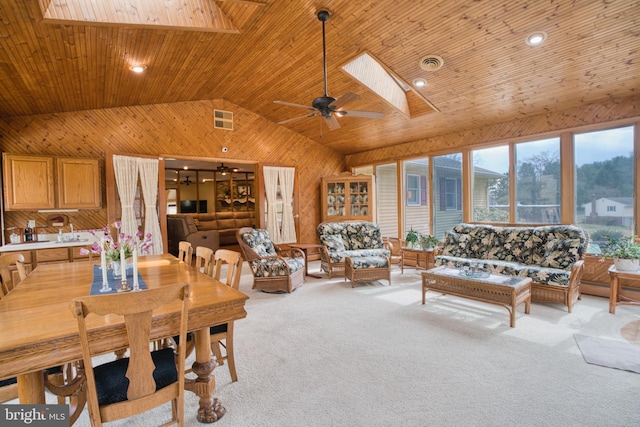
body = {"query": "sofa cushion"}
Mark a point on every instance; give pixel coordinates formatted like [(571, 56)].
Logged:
[(191, 226), (519, 245), (208, 225), (340, 256), (560, 253), (333, 242), (260, 242), (455, 244), (225, 224)]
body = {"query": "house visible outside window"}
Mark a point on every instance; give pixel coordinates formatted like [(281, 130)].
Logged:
[(611, 208), (413, 190), (451, 194)]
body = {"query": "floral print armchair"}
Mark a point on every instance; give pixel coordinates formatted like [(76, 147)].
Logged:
[(273, 269)]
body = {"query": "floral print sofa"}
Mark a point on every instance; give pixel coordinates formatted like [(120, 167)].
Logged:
[(552, 256), (339, 240)]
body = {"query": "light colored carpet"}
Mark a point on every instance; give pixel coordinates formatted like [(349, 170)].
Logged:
[(609, 352), (330, 355)]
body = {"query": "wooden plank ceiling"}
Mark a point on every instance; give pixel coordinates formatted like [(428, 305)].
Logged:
[(274, 52)]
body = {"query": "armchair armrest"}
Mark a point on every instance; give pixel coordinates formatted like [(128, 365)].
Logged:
[(576, 274)]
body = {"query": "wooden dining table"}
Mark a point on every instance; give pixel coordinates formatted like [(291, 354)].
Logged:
[(39, 331)]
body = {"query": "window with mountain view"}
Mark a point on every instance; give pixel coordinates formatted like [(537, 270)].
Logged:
[(604, 184)]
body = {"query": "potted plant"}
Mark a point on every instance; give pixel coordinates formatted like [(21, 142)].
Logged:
[(412, 238), (428, 242), (625, 252)]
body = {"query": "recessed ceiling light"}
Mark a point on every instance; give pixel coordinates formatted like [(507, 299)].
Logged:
[(536, 39), (419, 82), (138, 68)]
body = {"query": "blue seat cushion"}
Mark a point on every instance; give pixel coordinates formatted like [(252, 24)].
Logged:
[(8, 381), (218, 329), (112, 384)]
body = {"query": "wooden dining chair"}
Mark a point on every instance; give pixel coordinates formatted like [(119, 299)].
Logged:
[(144, 380), (224, 332), (6, 275), (67, 382), (204, 260), (185, 252)]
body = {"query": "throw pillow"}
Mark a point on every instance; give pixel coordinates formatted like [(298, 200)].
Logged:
[(333, 242), (560, 253)]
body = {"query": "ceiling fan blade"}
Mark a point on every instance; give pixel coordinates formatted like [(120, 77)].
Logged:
[(344, 100), (332, 122), (357, 113), (293, 104), (297, 118)]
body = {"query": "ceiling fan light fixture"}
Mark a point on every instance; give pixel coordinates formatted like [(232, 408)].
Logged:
[(222, 169)]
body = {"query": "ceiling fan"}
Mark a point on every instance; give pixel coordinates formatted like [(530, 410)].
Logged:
[(327, 106)]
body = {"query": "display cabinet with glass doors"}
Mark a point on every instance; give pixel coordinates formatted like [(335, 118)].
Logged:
[(348, 198)]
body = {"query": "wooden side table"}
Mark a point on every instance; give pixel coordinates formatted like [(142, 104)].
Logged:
[(615, 298), (417, 254), (309, 249)]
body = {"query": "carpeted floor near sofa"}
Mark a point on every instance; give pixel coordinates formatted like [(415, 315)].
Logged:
[(330, 355)]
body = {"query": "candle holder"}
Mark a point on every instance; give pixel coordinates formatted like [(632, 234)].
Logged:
[(124, 287)]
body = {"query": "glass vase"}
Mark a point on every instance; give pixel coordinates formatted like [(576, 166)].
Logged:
[(116, 269)]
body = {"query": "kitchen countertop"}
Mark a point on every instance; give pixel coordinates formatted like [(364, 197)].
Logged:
[(49, 241)]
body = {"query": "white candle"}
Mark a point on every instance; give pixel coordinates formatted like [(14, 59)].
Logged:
[(123, 264), (135, 268), (103, 266)]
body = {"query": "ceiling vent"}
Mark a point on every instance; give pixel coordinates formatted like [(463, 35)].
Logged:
[(223, 119), (431, 62)]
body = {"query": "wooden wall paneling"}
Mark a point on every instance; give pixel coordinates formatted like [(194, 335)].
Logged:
[(184, 129), (609, 113)]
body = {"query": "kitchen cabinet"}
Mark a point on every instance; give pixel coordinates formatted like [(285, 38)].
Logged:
[(348, 198), (32, 183), (28, 182), (78, 183)]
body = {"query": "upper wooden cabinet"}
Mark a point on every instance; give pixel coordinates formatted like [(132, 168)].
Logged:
[(30, 183), (78, 183), (348, 198)]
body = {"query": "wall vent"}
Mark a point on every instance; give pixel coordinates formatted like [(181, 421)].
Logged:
[(223, 119)]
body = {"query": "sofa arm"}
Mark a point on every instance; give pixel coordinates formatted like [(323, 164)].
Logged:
[(209, 239)]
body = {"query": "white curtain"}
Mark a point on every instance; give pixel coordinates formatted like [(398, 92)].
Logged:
[(288, 226), (271, 193), (149, 181), (126, 171)]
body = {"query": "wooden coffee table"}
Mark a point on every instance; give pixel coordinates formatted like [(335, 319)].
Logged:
[(506, 291)]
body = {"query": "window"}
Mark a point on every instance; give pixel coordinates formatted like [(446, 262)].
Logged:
[(490, 180), (451, 194), (416, 213), (604, 183), (414, 190), (447, 200), (538, 181), (387, 198)]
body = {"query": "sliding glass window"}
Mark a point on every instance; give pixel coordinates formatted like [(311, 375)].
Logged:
[(538, 182), (604, 190), (490, 180)]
